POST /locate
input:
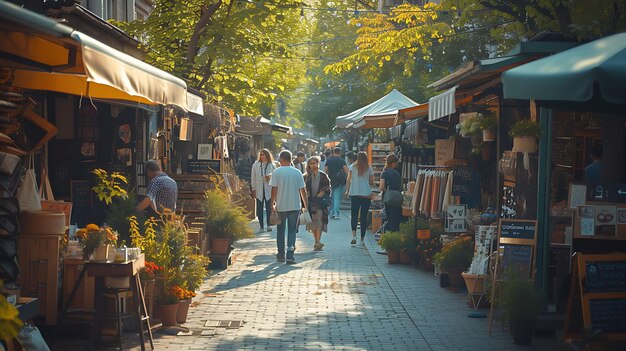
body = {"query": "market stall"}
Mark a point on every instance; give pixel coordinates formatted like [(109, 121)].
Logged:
[(582, 173)]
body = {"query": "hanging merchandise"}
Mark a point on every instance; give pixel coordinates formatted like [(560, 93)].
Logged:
[(27, 194), (221, 143)]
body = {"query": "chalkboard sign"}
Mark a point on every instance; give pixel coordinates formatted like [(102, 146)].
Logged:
[(462, 181), (518, 257), (608, 315), (598, 291), (517, 229), (606, 276), (204, 166)]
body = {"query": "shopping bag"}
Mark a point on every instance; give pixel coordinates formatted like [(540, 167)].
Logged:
[(27, 194), (305, 217), (393, 198), (275, 218)]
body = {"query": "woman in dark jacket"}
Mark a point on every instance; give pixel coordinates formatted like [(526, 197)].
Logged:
[(390, 179), (317, 186)]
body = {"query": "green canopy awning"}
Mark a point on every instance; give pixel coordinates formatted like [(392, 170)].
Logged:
[(573, 74)]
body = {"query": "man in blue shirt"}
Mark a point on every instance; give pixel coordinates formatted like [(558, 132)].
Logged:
[(593, 172), (287, 189), (162, 190)]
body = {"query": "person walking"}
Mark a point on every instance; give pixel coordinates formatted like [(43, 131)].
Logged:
[(287, 193), (298, 163), (322, 161), (390, 180), (337, 170), (317, 186), (261, 190), (359, 184)]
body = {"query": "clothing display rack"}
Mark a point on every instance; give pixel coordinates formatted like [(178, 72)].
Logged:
[(433, 187)]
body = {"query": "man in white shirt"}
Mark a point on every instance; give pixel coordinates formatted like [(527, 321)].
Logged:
[(287, 191)]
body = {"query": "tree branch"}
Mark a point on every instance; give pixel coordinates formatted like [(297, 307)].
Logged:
[(206, 14)]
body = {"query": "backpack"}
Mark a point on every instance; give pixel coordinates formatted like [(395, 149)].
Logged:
[(340, 178)]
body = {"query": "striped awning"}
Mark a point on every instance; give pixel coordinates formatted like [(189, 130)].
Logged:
[(441, 105)]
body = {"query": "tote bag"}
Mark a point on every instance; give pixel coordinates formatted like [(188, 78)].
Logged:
[(393, 198), (27, 194)]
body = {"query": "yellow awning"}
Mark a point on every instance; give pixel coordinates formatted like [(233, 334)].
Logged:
[(45, 57)]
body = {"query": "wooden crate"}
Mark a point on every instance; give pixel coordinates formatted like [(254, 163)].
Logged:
[(39, 270)]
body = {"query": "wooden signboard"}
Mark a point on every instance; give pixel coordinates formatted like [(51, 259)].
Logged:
[(597, 299), (517, 243), (204, 166)]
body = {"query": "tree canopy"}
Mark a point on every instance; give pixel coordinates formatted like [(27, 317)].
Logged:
[(236, 52)]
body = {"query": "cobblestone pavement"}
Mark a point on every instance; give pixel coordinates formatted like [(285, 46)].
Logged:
[(342, 298)]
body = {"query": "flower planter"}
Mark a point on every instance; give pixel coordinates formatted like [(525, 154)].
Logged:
[(405, 257), (489, 135), (474, 283), (183, 310), (454, 278), (426, 264), (525, 144), (220, 246), (168, 314), (393, 256), (103, 253), (522, 331)]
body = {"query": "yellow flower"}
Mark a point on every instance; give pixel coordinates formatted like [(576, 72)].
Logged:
[(81, 233), (92, 227)]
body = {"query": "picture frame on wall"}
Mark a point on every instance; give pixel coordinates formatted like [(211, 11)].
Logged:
[(205, 151), (577, 195), (605, 217)]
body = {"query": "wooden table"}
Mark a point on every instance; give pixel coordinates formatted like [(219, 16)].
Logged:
[(100, 270)]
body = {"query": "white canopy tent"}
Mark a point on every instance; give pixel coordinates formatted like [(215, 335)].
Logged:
[(388, 104)]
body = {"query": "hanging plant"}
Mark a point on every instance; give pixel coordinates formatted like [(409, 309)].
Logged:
[(524, 128)]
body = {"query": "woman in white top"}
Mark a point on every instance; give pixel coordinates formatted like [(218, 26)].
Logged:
[(261, 173), (359, 188)]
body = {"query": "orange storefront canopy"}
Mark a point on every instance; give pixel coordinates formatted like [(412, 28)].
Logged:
[(45, 55)]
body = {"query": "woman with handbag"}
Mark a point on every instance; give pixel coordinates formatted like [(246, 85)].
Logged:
[(359, 185), (260, 180), (318, 189), (391, 186)]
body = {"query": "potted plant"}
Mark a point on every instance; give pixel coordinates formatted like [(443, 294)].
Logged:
[(225, 221), (521, 302), (409, 241), (168, 307), (148, 274), (454, 258), (488, 124), (98, 241), (184, 297), (525, 134), (392, 242)]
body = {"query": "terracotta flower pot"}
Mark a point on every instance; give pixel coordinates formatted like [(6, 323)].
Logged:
[(489, 135), (474, 283), (183, 310), (220, 246), (405, 257), (103, 253), (393, 256), (455, 279), (525, 144), (427, 264), (168, 314)]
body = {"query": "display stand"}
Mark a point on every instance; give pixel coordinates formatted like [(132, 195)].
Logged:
[(517, 242)]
